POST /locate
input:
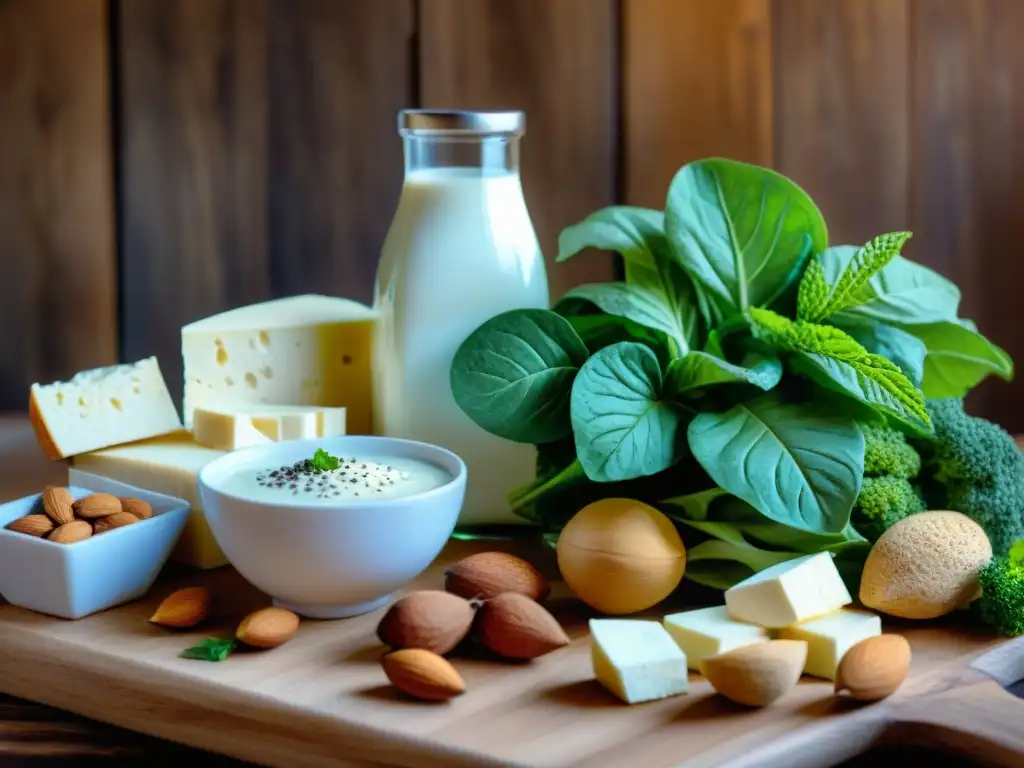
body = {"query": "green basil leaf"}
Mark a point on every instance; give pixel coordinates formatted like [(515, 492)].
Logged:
[(598, 330), (692, 506), (958, 358), (647, 306), (796, 463), (513, 375), (699, 369), (634, 233), (902, 292), (624, 427), (892, 343), (743, 233)]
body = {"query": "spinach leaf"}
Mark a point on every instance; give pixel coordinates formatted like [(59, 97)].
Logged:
[(834, 360), (902, 292), (796, 463), (598, 330), (892, 343), (697, 370), (635, 233), (693, 506), (644, 305), (513, 375), (623, 425), (721, 564), (958, 358), (743, 233)]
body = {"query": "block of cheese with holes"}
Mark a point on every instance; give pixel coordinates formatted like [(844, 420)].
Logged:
[(102, 407), (167, 465), (230, 428), (302, 350)]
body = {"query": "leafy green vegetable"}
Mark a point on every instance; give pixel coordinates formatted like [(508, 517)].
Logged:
[(623, 425), (211, 649), (753, 383), (792, 462), (743, 233), (323, 461), (513, 375), (835, 360)]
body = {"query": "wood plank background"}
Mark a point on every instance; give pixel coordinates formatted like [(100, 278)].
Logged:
[(161, 160)]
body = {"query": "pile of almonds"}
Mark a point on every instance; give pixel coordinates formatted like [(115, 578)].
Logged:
[(492, 598), (263, 629), (67, 521)]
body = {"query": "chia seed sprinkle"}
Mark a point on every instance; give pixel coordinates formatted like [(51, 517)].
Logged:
[(304, 477)]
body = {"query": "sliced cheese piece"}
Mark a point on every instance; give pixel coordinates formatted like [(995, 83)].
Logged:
[(102, 407), (230, 428), (167, 465), (637, 660), (302, 350), (710, 631), (830, 637), (790, 592)]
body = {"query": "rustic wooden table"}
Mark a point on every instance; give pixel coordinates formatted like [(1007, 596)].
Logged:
[(36, 735)]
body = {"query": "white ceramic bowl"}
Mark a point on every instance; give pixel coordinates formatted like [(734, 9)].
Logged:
[(75, 580), (332, 561)]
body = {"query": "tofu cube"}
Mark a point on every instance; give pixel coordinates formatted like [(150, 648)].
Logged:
[(637, 660), (710, 631), (830, 637), (789, 593)]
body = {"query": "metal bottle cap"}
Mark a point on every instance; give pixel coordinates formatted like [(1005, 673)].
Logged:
[(462, 121)]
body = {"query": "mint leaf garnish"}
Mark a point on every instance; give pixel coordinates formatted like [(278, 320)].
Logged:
[(211, 649), (323, 461)]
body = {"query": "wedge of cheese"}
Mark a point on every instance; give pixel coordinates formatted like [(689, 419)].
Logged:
[(830, 637), (228, 429), (303, 350), (102, 407), (790, 592), (167, 465), (637, 660), (710, 631)]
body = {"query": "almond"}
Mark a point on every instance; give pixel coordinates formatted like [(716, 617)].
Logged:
[(69, 533), (756, 675), (110, 522), (184, 608), (874, 668), (430, 619), (514, 626), (489, 574), (33, 525), (58, 504), (141, 509), (268, 628), (422, 674), (97, 505)]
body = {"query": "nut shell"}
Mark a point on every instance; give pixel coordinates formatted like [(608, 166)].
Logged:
[(184, 608), (430, 619), (268, 628), (32, 525), (422, 674), (97, 505), (110, 522), (874, 668), (70, 533), (58, 504), (757, 675), (516, 627), (141, 509), (488, 574)]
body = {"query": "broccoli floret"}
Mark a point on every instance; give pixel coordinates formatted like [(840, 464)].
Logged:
[(1002, 592), (883, 502), (974, 466), (887, 452)]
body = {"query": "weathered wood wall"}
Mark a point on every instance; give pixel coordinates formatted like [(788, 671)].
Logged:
[(164, 159)]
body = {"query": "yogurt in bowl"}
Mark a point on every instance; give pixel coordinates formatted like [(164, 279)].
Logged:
[(332, 527)]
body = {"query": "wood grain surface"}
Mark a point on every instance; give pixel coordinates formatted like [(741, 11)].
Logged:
[(58, 298), (557, 61), (696, 82)]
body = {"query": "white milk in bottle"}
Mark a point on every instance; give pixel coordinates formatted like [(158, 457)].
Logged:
[(461, 249)]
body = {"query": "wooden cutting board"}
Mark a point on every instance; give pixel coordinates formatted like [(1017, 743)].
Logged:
[(322, 699)]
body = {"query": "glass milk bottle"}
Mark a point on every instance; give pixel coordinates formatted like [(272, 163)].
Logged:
[(461, 249)]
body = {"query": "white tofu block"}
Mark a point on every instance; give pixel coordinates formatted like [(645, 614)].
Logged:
[(710, 631), (830, 637), (637, 660), (790, 592)]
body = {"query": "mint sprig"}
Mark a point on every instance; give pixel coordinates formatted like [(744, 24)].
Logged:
[(323, 461)]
